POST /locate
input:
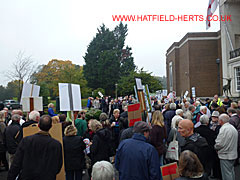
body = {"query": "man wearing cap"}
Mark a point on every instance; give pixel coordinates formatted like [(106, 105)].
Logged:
[(137, 159)]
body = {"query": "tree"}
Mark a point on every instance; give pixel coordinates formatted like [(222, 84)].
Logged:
[(59, 71), (126, 83), (22, 70), (106, 59)]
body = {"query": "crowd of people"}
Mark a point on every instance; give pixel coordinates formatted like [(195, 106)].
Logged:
[(208, 136)]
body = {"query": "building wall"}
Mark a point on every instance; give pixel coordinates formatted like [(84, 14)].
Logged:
[(194, 64)]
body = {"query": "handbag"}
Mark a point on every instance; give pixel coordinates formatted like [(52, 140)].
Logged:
[(172, 151)]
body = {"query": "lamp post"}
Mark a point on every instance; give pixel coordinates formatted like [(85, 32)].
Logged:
[(218, 76), (116, 90)]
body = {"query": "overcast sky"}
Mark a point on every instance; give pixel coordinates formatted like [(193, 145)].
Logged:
[(62, 29)]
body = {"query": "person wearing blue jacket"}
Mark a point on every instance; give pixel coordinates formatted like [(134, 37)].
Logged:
[(136, 159), (50, 110)]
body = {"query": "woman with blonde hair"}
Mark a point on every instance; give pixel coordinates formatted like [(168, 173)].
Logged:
[(190, 167), (55, 120), (158, 134), (73, 153), (101, 144)]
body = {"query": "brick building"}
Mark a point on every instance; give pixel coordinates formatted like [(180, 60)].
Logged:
[(191, 62)]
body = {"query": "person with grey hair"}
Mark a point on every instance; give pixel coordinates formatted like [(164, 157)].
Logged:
[(178, 116), (226, 146), (189, 113), (130, 161), (235, 121), (13, 135), (103, 170), (168, 115), (34, 117), (20, 113)]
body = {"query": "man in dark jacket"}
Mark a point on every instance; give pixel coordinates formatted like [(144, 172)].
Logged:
[(38, 157), (168, 116), (34, 117), (194, 142), (13, 136), (136, 159)]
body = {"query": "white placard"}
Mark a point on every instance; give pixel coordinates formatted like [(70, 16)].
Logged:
[(64, 97), (100, 94), (164, 92), (76, 94), (186, 93), (30, 90), (37, 104), (193, 92), (139, 84), (67, 98)]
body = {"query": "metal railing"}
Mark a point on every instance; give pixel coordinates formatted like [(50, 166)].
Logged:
[(234, 53)]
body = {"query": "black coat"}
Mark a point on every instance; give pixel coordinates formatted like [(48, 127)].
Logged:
[(13, 136), (101, 148), (28, 123), (207, 133), (38, 157), (73, 152), (200, 147)]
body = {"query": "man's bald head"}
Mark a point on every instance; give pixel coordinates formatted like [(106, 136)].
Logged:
[(185, 127)]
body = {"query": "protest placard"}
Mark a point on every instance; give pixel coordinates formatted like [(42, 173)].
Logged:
[(134, 114), (170, 171), (32, 103)]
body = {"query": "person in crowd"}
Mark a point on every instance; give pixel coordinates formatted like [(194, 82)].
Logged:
[(104, 104), (38, 156), (116, 104), (234, 105), (190, 168), (137, 159), (235, 121), (55, 119), (210, 136), (181, 140), (89, 102), (124, 114), (73, 153), (114, 121), (194, 142), (101, 147), (208, 102), (20, 113), (189, 114), (203, 110), (1, 105), (103, 118), (123, 125), (3, 160), (226, 146), (126, 133), (168, 116), (13, 136), (34, 117), (158, 135), (96, 103), (217, 100), (62, 118), (103, 170), (7, 115), (50, 110), (185, 106), (81, 123), (179, 115), (214, 125), (227, 102)]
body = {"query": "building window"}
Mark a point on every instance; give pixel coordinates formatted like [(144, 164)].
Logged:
[(170, 77), (237, 75)]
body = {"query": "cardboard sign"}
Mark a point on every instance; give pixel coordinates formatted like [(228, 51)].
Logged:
[(134, 114), (170, 171), (29, 90), (139, 84), (193, 92), (70, 97), (56, 133), (32, 103)]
